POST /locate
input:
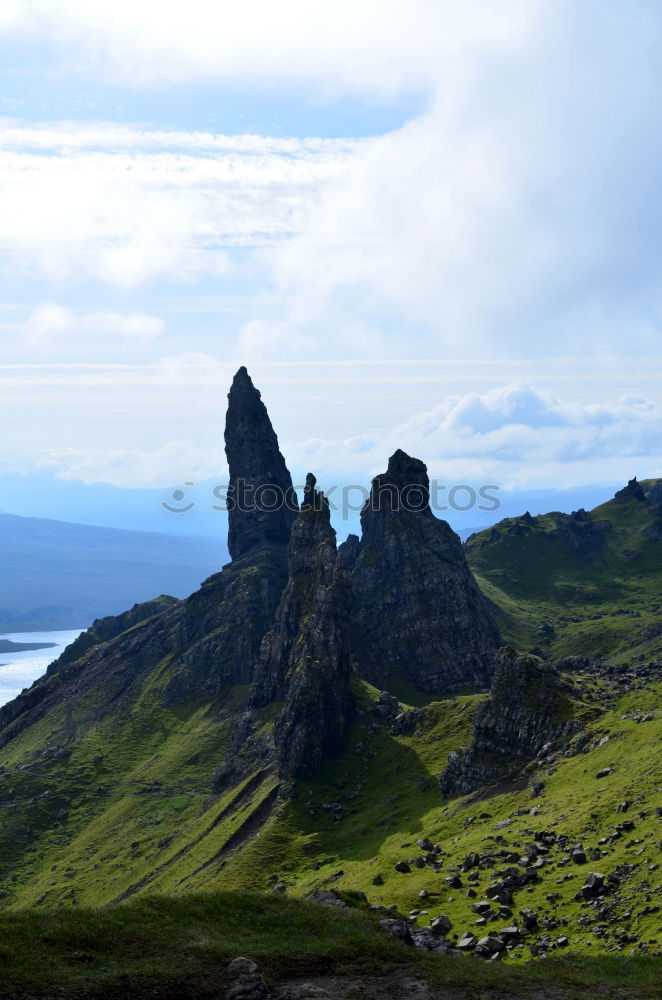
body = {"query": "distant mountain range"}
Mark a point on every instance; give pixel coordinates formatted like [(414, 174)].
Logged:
[(57, 575)]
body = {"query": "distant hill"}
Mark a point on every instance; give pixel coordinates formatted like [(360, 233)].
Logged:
[(58, 575), (583, 583)]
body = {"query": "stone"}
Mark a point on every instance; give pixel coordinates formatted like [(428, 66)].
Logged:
[(261, 504), (418, 612), (403, 867), (428, 939), (489, 945), (441, 924), (467, 942), (509, 729), (248, 987), (399, 928), (306, 659), (326, 897), (241, 966)]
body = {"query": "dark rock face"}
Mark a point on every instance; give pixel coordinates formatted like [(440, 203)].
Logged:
[(262, 504), (226, 620), (223, 625), (528, 708), (349, 551), (418, 612), (584, 537), (633, 491), (305, 659)]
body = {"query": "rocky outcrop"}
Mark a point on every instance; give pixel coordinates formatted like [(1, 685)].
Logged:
[(633, 491), (306, 660), (419, 615), (225, 621), (262, 504), (529, 707), (585, 537), (582, 535)]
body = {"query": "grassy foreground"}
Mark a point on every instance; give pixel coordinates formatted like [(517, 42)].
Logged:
[(163, 947)]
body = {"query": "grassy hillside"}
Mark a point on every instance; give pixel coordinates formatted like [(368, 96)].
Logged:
[(128, 810), (179, 950), (577, 585)]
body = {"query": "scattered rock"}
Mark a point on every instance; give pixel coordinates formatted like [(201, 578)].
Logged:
[(326, 897), (399, 928)]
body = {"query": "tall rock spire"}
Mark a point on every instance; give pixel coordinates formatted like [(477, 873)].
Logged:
[(262, 504), (418, 612), (305, 660)]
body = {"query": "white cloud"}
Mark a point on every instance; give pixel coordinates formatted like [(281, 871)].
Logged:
[(127, 215), (340, 423), (377, 46), (175, 461), (47, 323), (518, 425), (261, 340), (518, 215), (50, 325), (513, 435)]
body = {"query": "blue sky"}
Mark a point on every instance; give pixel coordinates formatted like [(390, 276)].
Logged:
[(428, 225)]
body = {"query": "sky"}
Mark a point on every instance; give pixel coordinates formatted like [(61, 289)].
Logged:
[(426, 224)]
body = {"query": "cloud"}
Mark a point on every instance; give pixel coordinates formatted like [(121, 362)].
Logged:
[(377, 46), (513, 435), (517, 425), (50, 325), (517, 215), (173, 462), (123, 207)]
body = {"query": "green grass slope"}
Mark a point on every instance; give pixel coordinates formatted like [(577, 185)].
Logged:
[(165, 948), (129, 811), (577, 586)]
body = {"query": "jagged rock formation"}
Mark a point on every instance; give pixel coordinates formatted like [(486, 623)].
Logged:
[(582, 535), (633, 491), (585, 537), (528, 707), (262, 504), (418, 612), (213, 638), (305, 659)]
